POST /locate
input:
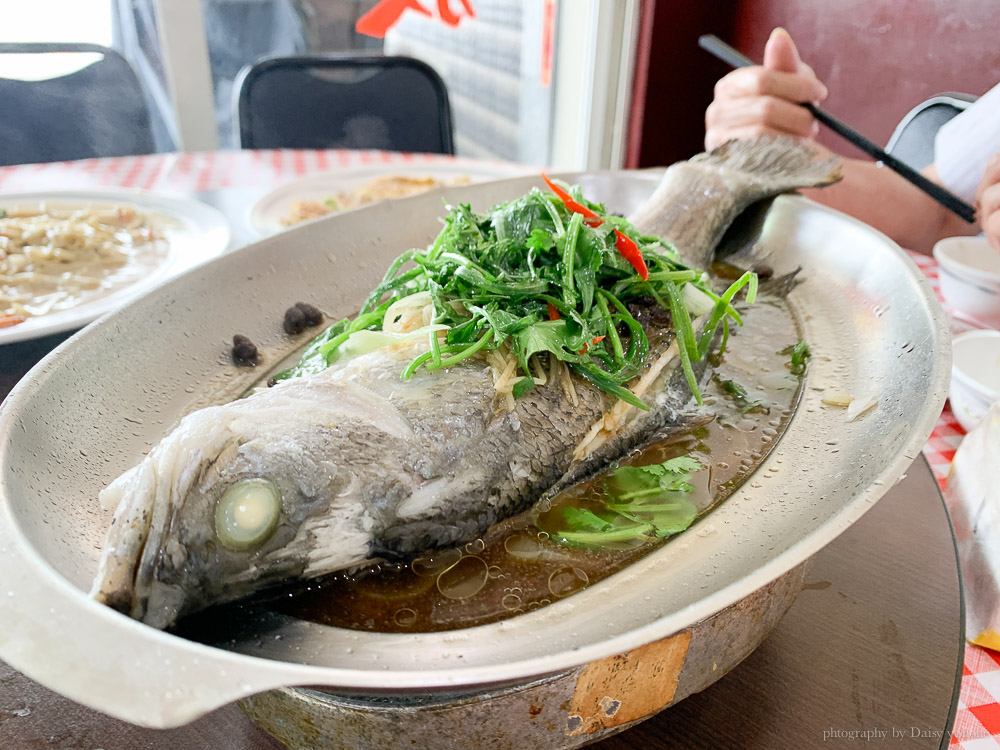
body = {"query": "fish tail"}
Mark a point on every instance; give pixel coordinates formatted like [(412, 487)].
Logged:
[(775, 163), (697, 200)]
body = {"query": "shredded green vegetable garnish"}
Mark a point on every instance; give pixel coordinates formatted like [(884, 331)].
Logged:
[(533, 274)]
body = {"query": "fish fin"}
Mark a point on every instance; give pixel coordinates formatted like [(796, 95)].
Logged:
[(698, 200), (778, 163)]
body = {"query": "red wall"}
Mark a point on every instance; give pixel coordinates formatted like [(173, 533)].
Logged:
[(878, 59)]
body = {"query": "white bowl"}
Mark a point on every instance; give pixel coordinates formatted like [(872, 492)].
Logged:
[(975, 376), (970, 278)]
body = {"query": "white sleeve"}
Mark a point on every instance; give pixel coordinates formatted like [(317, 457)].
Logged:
[(965, 143)]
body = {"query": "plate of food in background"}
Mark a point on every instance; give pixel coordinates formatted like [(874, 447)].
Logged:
[(66, 258), (319, 195)]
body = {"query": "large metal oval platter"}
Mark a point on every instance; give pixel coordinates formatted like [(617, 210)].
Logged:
[(96, 405)]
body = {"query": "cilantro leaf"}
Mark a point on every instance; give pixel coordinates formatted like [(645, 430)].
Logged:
[(678, 465)]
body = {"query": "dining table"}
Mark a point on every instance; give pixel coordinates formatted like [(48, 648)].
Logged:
[(872, 651)]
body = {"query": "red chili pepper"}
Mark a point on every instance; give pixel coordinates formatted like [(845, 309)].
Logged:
[(553, 313), (590, 217), (630, 252), (597, 340)]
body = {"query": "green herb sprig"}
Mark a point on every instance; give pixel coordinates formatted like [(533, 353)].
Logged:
[(799, 354)]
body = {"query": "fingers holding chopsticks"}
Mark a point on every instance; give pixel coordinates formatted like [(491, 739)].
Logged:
[(751, 116), (765, 98)]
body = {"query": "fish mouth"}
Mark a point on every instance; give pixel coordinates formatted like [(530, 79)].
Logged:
[(119, 599), (146, 499), (116, 581)]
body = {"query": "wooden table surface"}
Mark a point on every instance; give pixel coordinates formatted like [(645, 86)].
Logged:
[(873, 645)]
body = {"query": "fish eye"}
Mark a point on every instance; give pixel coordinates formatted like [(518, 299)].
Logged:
[(247, 514)]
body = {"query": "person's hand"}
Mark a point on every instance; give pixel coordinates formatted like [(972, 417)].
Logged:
[(765, 98), (988, 202)]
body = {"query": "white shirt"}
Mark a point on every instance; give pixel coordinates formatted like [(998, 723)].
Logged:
[(965, 143)]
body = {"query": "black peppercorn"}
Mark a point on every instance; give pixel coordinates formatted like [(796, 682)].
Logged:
[(295, 321), (312, 314), (244, 351)]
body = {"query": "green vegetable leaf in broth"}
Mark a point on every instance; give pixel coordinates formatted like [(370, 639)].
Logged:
[(581, 519), (641, 502)]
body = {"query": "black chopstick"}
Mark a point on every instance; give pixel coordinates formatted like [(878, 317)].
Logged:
[(946, 198)]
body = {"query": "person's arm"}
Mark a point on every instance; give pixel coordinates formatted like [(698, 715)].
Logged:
[(766, 98), (881, 198)]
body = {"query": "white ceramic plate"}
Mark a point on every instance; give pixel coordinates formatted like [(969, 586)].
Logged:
[(201, 233), (267, 213)]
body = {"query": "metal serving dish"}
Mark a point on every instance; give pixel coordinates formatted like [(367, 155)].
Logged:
[(101, 400)]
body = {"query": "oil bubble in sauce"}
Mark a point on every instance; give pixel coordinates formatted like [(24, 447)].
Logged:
[(510, 602), (568, 580), (405, 617), (434, 565), (463, 579), (523, 546), (475, 547)]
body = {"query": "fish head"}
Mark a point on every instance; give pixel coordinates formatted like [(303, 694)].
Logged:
[(221, 508)]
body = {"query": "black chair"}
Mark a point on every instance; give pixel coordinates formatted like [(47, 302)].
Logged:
[(913, 139), (389, 103), (98, 110)]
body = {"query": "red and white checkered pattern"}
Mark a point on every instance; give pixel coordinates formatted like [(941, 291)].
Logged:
[(977, 723), (192, 172), (948, 433), (977, 720)]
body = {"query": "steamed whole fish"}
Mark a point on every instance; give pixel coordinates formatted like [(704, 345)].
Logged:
[(326, 471)]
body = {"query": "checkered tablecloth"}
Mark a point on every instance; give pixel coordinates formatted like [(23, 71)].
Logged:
[(197, 172), (948, 433), (977, 721), (977, 724)]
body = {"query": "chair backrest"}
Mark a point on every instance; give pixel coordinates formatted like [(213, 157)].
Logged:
[(97, 110), (380, 102), (913, 139)]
